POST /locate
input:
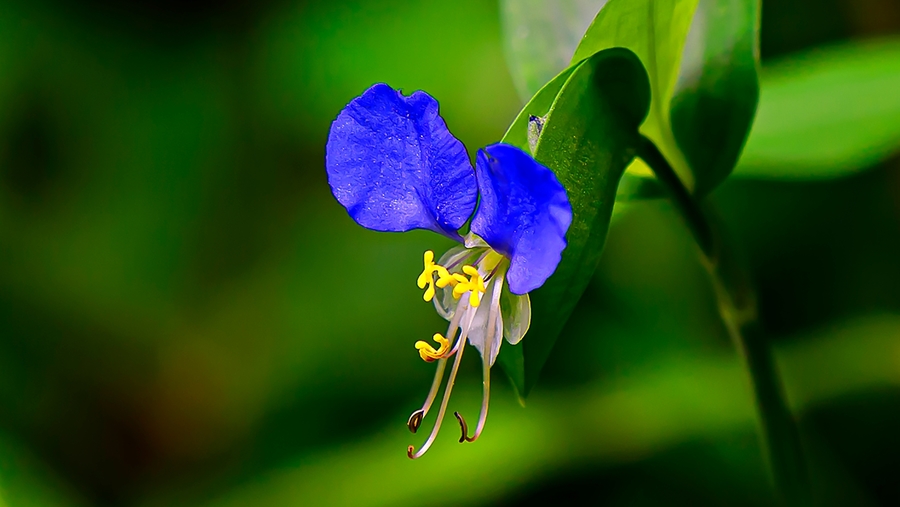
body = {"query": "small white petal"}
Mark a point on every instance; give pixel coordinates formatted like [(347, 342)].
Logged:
[(517, 315), (472, 240)]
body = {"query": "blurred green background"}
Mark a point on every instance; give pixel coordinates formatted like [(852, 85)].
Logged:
[(188, 318)]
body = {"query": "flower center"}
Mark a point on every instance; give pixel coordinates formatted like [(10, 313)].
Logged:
[(473, 284)]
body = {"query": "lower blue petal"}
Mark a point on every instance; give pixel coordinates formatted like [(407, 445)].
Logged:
[(394, 165), (524, 214)]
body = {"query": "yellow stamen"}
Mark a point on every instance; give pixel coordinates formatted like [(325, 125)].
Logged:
[(466, 326), (474, 285), (427, 352), (426, 278)]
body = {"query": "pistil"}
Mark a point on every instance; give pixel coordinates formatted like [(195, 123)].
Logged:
[(487, 347)]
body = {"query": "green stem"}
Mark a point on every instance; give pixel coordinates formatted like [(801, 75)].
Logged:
[(736, 304)]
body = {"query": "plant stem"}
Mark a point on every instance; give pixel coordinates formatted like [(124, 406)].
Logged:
[(737, 308), (692, 213)]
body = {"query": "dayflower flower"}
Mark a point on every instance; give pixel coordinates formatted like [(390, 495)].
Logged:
[(394, 165)]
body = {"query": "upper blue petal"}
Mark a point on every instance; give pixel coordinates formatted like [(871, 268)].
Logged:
[(394, 165), (524, 214)]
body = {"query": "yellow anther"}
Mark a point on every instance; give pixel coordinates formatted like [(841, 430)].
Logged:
[(473, 285), (426, 278), (427, 352), (444, 278)]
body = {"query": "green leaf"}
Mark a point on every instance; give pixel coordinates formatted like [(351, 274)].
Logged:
[(826, 113), (715, 97), (540, 37), (540, 104), (588, 139), (656, 31)]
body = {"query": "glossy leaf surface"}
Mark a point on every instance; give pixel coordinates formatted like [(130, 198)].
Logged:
[(701, 57), (656, 32), (717, 91)]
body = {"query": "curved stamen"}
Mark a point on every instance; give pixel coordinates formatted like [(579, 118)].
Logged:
[(457, 345), (428, 353), (416, 418), (482, 417), (467, 324), (410, 451), (487, 353), (464, 428), (414, 421)]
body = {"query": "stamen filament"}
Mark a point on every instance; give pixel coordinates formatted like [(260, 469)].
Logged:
[(416, 418), (467, 324), (487, 347), (482, 417)]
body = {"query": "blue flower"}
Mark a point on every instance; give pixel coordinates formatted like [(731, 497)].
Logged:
[(394, 165)]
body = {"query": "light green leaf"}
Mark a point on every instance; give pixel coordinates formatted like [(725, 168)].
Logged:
[(826, 113), (715, 97), (656, 31), (540, 38), (588, 139)]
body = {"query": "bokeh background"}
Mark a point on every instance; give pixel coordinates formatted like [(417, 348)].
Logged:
[(188, 318)]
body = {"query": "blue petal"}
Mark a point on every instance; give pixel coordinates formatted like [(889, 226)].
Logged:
[(524, 214), (394, 165)]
